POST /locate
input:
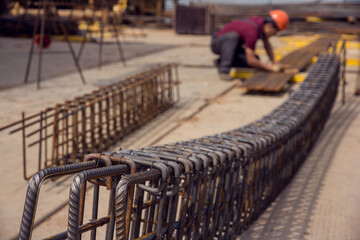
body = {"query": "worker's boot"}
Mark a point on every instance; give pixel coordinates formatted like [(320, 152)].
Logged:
[(225, 76)]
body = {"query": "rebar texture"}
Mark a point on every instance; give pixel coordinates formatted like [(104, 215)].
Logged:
[(92, 123), (214, 186), (75, 194), (33, 190)]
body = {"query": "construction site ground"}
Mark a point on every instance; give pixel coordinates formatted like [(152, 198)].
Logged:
[(321, 202)]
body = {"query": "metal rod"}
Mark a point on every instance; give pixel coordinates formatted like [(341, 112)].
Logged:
[(24, 148), (117, 39), (40, 141), (44, 5), (32, 46), (76, 61), (95, 209)]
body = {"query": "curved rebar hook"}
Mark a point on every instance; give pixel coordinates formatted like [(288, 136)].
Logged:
[(108, 163), (187, 164), (121, 198), (76, 192), (149, 163), (33, 190), (132, 166), (176, 170)]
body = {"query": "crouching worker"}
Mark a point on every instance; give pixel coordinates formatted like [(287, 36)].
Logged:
[(235, 42)]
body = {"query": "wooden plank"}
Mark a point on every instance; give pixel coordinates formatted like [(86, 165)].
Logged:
[(299, 59), (268, 82)]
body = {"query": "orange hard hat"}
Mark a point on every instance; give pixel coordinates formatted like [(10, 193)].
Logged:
[(280, 18)]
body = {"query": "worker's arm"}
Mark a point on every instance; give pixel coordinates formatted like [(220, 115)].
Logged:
[(269, 50), (252, 61)]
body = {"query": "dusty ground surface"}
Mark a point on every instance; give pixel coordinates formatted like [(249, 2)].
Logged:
[(15, 52), (320, 203)]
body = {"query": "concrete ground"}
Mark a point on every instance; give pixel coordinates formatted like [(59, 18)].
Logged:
[(15, 52), (320, 202)]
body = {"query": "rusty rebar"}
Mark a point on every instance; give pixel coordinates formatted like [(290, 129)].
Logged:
[(213, 187), (94, 122)]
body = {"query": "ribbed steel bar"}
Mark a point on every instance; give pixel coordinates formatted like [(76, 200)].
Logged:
[(33, 190), (75, 194)]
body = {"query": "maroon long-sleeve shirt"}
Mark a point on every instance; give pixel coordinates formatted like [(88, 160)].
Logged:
[(249, 30)]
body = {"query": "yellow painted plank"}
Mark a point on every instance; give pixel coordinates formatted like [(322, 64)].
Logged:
[(314, 59), (298, 78), (313, 19), (72, 38), (349, 44), (94, 27), (348, 37), (352, 44), (242, 75), (352, 62)]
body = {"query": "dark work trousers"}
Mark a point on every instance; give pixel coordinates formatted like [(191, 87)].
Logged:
[(230, 48)]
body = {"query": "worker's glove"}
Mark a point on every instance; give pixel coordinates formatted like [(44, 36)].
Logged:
[(277, 68)]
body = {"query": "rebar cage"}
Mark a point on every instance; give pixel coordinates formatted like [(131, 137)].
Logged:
[(213, 187), (92, 123)]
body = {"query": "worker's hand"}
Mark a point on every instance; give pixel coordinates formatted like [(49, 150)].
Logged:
[(291, 70), (277, 67)]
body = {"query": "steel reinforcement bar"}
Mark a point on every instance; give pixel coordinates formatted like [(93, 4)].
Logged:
[(213, 187), (91, 123)]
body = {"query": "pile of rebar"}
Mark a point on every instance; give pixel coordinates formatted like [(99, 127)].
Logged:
[(207, 188), (91, 123)]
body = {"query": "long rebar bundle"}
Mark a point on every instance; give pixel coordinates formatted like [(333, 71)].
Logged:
[(206, 188)]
